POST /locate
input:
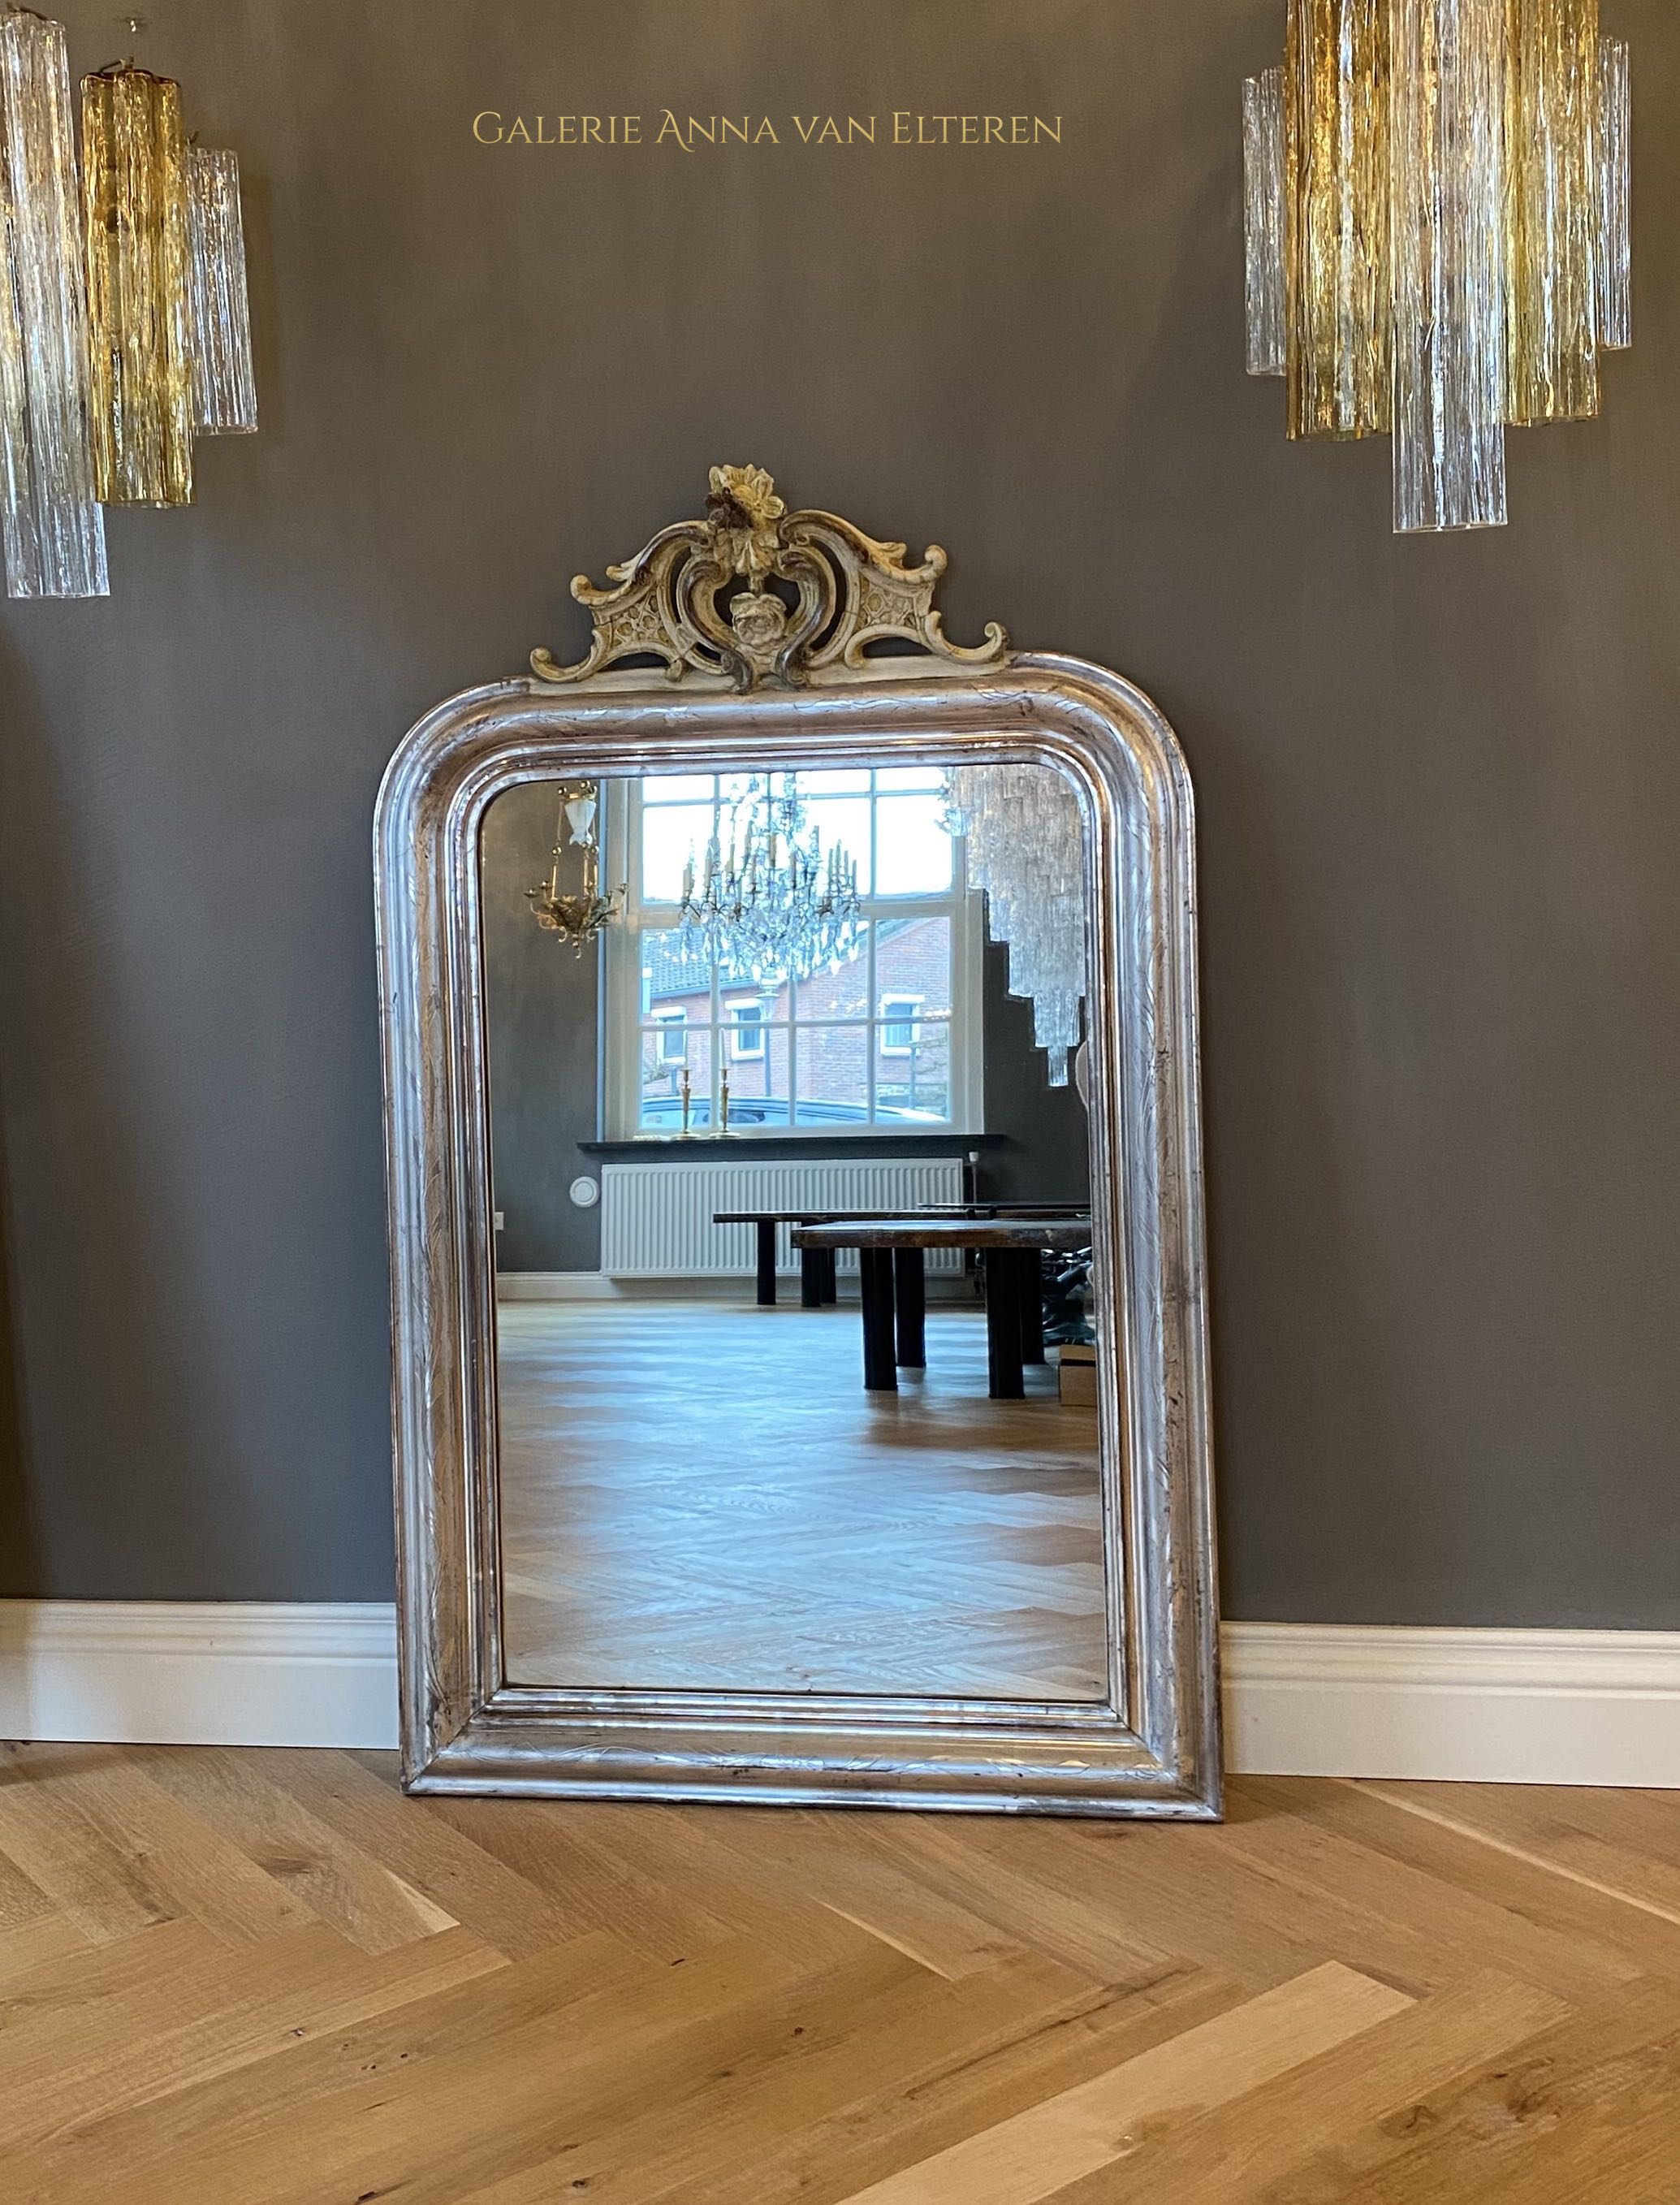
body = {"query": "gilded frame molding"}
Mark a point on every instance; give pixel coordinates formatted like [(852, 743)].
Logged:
[(1154, 1747)]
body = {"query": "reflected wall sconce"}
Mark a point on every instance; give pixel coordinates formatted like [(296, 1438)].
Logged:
[(125, 329), (580, 916), (1436, 219)]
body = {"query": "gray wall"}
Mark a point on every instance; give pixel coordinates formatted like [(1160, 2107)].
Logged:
[(1439, 780)]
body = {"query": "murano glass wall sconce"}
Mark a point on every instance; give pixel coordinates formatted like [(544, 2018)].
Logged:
[(1438, 231), (124, 327)]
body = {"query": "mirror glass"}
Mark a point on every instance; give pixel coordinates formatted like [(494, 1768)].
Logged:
[(794, 1294)]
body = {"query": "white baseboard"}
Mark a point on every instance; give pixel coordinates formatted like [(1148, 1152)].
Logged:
[(199, 1672), (1479, 1707), (1490, 1707)]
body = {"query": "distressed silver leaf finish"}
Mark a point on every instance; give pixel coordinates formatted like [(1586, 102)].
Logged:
[(1152, 1748)]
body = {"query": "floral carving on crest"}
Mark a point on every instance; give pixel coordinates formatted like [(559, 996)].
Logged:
[(763, 596)]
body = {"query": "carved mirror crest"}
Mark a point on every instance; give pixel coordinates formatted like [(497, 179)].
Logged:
[(796, 1205)]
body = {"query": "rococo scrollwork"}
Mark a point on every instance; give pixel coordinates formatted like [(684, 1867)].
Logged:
[(761, 596)]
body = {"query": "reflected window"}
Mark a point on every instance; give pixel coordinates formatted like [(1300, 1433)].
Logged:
[(746, 1029), (883, 1037), (899, 1032)]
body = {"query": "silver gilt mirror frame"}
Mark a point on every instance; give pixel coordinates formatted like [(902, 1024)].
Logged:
[(759, 624)]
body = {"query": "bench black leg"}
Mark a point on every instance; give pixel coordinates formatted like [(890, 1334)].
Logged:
[(1032, 1308), (767, 1263), (810, 1277), (830, 1275), (1005, 1381), (879, 1371), (910, 1299)]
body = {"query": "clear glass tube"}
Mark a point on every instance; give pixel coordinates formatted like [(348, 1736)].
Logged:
[(1335, 109), (1446, 204), (1552, 210), (135, 205), (52, 530), (1615, 154), (225, 388), (1263, 221)]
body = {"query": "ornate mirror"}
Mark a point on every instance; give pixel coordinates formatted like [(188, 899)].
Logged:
[(796, 1214)]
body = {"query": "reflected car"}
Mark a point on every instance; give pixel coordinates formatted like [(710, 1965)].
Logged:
[(662, 1114)]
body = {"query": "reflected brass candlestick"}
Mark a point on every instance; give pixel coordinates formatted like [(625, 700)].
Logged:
[(687, 1100), (723, 1101)]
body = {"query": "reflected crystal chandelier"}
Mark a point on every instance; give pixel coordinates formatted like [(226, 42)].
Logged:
[(124, 327), (577, 919), (768, 902), (1437, 198), (1025, 841)]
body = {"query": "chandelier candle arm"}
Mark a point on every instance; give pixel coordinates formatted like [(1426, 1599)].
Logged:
[(1445, 186), (1337, 192), (1615, 157), (52, 528), (1552, 209), (224, 386), (140, 356), (1263, 221)]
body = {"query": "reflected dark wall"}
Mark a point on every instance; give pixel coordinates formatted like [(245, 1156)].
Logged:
[(1042, 1155), (543, 1002), (1437, 782)]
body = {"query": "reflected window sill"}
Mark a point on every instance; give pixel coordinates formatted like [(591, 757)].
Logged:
[(813, 1143)]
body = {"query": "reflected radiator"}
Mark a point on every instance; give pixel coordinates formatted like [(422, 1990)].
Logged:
[(657, 1219)]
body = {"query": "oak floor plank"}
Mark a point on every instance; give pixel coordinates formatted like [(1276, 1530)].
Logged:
[(1034, 2153), (1589, 2111), (105, 1884), (1614, 1942), (186, 2020), (905, 2117), (1571, 1833), (912, 2023), (243, 2131), (436, 2118), (45, 1940), (336, 1880), (267, 1978), (357, 1796), (1316, 2131)]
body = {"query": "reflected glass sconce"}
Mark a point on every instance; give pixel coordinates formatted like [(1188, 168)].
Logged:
[(1438, 233)]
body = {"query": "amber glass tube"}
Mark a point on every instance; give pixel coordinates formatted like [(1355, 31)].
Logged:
[(135, 218), (1336, 99), (1552, 211)]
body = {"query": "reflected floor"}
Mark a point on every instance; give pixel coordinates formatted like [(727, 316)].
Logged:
[(702, 1497)]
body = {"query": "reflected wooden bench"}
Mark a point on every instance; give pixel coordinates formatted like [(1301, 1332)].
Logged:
[(817, 1280), (892, 1255)]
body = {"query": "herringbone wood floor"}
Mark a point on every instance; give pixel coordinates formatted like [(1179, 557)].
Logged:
[(228, 1978)]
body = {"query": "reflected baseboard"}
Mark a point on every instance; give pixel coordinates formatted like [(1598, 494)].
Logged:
[(601, 1287), (1468, 1706)]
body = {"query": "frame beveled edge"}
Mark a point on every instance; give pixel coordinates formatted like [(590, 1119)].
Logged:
[(463, 1729)]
